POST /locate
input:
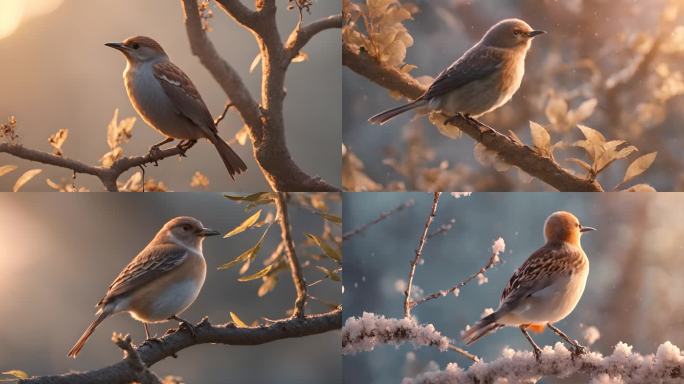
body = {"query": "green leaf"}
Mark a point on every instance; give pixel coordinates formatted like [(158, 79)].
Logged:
[(237, 321), (245, 225), (329, 273), (327, 249), (257, 275), (16, 373), (245, 256)]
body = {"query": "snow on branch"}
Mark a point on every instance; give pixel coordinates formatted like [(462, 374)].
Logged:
[(624, 367), (365, 333)]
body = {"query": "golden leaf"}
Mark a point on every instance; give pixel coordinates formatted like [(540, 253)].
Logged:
[(5, 169), (239, 323), (541, 139), (25, 178), (639, 166), (249, 222)]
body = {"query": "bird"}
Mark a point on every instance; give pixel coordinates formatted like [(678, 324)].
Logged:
[(480, 81), (168, 101), (161, 282), (545, 288)]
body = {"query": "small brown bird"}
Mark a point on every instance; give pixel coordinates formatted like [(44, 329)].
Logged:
[(161, 282), (482, 80), (546, 288), (168, 101)]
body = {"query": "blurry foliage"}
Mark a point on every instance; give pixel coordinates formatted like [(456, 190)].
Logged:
[(118, 133), (8, 131), (624, 83), (320, 251), (15, 373), (199, 180)]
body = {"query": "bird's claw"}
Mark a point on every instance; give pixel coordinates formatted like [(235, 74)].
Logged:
[(152, 340), (579, 350), (537, 354), (184, 146), (154, 152), (189, 327)]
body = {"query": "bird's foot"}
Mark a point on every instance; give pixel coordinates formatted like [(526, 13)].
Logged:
[(578, 350), (184, 145), (152, 340), (452, 119), (185, 324), (154, 152), (537, 354)]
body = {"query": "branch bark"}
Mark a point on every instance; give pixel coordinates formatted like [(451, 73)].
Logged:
[(172, 343), (108, 176), (265, 122), (293, 262), (507, 149)]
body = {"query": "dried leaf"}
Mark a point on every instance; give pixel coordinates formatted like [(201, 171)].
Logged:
[(585, 110), (581, 163), (591, 134), (16, 373), (5, 169), (540, 138), (244, 257), (245, 225), (639, 166), (329, 273), (255, 63), (268, 285), (25, 178), (239, 323), (57, 140), (199, 180), (301, 57), (331, 218), (449, 130), (327, 249), (242, 135), (556, 110), (257, 275)]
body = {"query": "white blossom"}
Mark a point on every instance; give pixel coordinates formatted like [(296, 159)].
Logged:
[(458, 195)]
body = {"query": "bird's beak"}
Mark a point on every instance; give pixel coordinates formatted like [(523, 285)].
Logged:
[(587, 229), (206, 232), (535, 33), (117, 46)]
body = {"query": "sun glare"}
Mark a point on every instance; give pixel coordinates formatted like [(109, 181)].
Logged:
[(14, 12)]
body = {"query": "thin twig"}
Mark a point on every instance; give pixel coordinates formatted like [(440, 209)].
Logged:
[(381, 217), (464, 353), (295, 268), (493, 260), (223, 114), (443, 229), (419, 253)]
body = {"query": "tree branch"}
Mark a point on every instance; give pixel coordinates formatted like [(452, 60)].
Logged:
[(108, 176), (419, 253), (384, 215), (265, 123), (300, 36), (507, 149), (295, 268), (172, 343)]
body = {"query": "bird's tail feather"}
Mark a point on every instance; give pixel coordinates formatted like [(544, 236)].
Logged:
[(482, 328), (86, 334), (383, 117), (231, 160)]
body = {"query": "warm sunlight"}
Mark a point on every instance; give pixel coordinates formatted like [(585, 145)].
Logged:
[(13, 12)]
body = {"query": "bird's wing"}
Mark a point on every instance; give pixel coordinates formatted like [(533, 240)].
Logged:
[(151, 262), (475, 64), (539, 271), (184, 95)]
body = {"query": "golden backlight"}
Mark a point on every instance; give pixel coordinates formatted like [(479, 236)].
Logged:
[(14, 12)]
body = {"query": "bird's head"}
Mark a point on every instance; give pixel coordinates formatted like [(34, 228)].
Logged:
[(186, 231), (564, 226), (510, 33), (138, 49)]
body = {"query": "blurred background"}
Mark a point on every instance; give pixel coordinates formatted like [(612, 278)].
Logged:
[(56, 73), (61, 251), (613, 65), (632, 294)]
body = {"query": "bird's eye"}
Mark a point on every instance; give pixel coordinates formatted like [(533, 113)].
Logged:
[(186, 228), (577, 225), (516, 32), (135, 45)]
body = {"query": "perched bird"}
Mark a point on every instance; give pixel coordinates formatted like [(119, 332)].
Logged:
[(168, 101), (546, 288), (480, 81), (161, 282)]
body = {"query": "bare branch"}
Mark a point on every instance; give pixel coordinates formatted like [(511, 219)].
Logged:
[(301, 35), (108, 176), (295, 268), (145, 376), (381, 217), (239, 12), (443, 229), (507, 149), (172, 343), (419, 253)]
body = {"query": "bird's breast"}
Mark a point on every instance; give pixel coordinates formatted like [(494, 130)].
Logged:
[(154, 106)]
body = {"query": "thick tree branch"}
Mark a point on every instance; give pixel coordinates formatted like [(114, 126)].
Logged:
[(108, 176), (172, 343), (301, 35), (507, 149), (265, 122), (293, 262)]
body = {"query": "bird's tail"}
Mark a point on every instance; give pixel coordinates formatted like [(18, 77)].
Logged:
[(232, 161), (89, 331), (383, 117), (483, 327)]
